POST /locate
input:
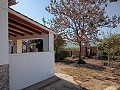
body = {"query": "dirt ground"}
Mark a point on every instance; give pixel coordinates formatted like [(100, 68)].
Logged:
[(93, 75)]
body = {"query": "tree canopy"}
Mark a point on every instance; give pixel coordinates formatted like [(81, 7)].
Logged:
[(79, 20)]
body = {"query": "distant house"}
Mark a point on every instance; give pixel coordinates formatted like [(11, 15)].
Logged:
[(20, 70)]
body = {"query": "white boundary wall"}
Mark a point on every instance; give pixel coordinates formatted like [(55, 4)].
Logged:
[(29, 68)]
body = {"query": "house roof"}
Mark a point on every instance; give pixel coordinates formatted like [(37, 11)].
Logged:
[(21, 22)]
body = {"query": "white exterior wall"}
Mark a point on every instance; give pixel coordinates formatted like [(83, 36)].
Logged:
[(4, 53), (51, 41), (29, 68)]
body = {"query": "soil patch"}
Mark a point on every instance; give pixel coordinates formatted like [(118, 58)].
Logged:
[(93, 75)]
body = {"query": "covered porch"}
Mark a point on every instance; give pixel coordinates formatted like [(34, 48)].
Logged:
[(17, 69), (23, 28)]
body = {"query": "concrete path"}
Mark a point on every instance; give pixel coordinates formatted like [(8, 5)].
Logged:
[(58, 82), (66, 82)]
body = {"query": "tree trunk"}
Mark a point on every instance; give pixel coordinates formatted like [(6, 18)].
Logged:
[(113, 53), (108, 58), (80, 51), (80, 54)]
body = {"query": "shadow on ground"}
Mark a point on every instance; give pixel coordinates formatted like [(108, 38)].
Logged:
[(62, 84), (91, 66), (88, 66), (57, 82)]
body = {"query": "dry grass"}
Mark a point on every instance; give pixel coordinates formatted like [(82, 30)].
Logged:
[(92, 76)]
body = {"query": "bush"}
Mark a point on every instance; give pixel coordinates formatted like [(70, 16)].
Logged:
[(60, 55), (105, 53), (103, 57), (115, 58)]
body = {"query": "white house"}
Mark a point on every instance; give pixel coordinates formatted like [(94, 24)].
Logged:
[(20, 70)]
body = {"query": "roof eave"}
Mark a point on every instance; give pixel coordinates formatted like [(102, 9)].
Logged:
[(29, 20)]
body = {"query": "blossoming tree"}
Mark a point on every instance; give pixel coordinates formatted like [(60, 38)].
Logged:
[(79, 20)]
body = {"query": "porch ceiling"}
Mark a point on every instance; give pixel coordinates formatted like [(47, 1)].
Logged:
[(19, 26)]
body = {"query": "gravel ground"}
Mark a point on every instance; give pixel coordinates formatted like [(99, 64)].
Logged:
[(93, 75)]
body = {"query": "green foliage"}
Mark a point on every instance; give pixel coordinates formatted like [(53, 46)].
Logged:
[(110, 45), (107, 44), (110, 42), (116, 58), (59, 43), (12, 2), (72, 48), (37, 41), (60, 55), (113, 0)]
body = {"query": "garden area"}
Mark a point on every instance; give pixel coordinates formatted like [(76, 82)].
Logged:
[(101, 70), (93, 75)]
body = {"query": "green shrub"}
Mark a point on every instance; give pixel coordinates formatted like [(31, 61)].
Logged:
[(103, 57), (60, 55), (116, 58)]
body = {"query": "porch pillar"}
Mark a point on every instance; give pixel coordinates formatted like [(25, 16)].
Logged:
[(51, 42), (45, 42), (19, 46), (4, 53), (14, 45)]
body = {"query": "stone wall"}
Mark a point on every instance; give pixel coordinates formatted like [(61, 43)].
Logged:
[(4, 77)]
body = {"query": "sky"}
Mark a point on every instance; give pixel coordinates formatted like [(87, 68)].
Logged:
[(35, 9)]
